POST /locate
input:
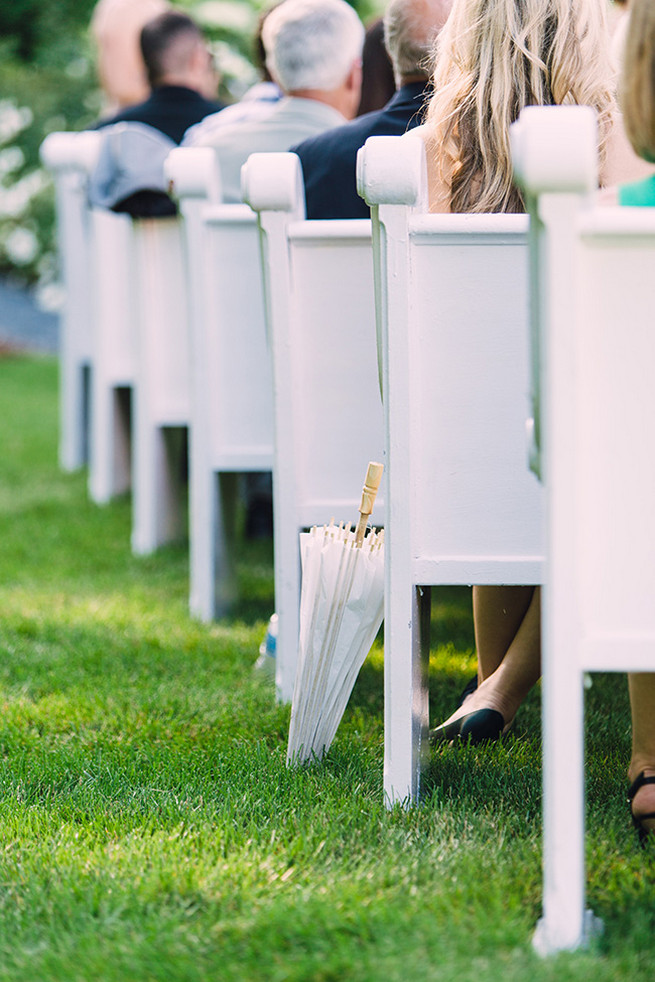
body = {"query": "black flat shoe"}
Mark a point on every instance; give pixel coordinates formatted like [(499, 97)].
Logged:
[(468, 690), (643, 831), (480, 726)]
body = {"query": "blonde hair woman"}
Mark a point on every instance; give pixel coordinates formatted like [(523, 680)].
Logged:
[(494, 57)]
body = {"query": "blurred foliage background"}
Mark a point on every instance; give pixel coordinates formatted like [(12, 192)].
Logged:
[(48, 82)]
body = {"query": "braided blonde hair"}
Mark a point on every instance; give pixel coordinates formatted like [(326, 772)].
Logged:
[(494, 57)]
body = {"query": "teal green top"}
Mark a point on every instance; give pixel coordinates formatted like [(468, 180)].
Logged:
[(639, 193)]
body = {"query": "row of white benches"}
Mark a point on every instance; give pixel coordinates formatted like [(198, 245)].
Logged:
[(268, 344), (176, 312)]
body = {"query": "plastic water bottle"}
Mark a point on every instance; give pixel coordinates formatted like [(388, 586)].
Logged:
[(266, 661)]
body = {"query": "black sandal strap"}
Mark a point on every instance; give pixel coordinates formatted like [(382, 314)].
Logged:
[(636, 786)]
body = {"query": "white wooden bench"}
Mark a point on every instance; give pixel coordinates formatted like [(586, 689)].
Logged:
[(463, 507), (320, 312), (597, 351), (232, 387), (125, 324), (69, 157), (97, 335), (152, 342)]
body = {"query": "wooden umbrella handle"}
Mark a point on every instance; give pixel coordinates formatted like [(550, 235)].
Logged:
[(369, 493)]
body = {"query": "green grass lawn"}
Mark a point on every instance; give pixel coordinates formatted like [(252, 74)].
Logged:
[(149, 829)]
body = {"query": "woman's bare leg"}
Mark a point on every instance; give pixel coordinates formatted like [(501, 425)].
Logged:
[(507, 686), (498, 612), (642, 702)]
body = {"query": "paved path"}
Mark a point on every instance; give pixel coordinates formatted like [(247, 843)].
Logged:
[(23, 324)]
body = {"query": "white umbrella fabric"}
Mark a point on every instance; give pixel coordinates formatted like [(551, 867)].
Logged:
[(341, 610)]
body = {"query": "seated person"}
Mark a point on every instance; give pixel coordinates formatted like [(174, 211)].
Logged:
[(329, 160), (313, 51), (116, 29), (182, 80), (255, 102)]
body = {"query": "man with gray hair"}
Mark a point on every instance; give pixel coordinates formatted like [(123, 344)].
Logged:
[(329, 160), (313, 51)]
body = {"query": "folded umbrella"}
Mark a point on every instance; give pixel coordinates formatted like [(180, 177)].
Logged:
[(341, 610)]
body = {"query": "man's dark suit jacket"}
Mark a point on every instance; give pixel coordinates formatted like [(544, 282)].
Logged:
[(329, 159), (171, 109)]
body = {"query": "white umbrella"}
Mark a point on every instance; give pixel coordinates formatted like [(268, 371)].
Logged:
[(341, 609)]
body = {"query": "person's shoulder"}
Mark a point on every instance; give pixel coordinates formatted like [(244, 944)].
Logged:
[(622, 165), (130, 114), (638, 194), (209, 106), (219, 126), (337, 138), (402, 112), (172, 94), (314, 144)]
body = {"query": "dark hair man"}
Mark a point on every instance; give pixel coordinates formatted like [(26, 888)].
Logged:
[(181, 76)]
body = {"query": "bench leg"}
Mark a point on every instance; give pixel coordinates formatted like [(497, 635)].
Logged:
[(73, 413), (110, 451), (212, 543), (225, 497), (406, 656), (157, 495), (565, 924)]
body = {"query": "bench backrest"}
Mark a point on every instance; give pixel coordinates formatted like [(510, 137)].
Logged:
[(231, 358), (453, 302), (114, 291), (610, 398), (163, 339), (319, 285), (240, 393)]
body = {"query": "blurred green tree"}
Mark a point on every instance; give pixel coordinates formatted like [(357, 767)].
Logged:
[(29, 26)]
